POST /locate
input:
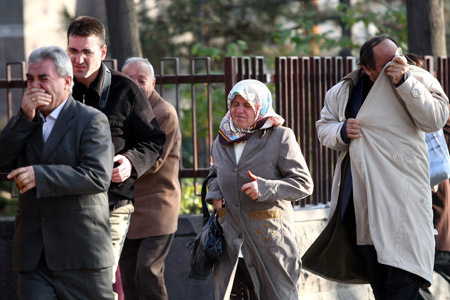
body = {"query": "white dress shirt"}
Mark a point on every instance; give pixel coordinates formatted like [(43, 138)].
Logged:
[(50, 120)]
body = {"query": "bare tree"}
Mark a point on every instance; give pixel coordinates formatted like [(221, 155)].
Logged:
[(346, 29), (426, 27), (123, 30)]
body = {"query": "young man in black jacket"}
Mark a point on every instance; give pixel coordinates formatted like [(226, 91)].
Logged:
[(135, 133)]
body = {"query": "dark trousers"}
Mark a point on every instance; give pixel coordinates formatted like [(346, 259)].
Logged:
[(387, 282), (142, 267), (442, 267), (243, 288), (45, 284)]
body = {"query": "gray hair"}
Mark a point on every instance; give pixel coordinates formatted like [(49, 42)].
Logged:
[(57, 55), (140, 59)]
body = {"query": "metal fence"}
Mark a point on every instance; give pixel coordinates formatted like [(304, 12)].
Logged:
[(299, 85)]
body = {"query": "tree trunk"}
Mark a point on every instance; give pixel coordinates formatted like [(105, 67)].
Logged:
[(346, 30), (426, 27), (123, 30)]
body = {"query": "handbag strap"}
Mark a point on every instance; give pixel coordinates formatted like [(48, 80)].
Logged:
[(206, 213)]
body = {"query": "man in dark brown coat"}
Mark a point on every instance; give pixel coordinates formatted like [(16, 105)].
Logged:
[(157, 205)]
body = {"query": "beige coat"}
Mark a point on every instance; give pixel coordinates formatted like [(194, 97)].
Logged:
[(157, 192), (263, 229), (389, 163)]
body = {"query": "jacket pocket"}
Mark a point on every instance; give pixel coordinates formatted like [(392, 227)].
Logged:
[(266, 227)]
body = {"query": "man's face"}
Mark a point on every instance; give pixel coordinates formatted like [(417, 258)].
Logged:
[(384, 52), (86, 55), (140, 72), (43, 75)]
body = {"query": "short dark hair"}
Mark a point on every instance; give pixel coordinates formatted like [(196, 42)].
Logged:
[(416, 60), (366, 56), (87, 26)]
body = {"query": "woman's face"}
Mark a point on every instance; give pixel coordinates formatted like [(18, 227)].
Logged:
[(242, 112)]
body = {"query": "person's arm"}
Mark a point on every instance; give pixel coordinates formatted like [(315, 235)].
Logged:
[(169, 124), (93, 172), (214, 195), (13, 138), (296, 182), (424, 100), (329, 127), (147, 135)]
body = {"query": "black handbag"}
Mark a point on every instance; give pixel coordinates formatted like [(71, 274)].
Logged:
[(207, 246)]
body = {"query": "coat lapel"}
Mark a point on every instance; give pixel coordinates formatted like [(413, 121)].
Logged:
[(59, 130), (36, 139)]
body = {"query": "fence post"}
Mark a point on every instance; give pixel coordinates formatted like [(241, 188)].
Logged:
[(230, 75)]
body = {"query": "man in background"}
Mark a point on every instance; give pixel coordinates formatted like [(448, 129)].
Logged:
[(59, 153), (157, 204), (135, 133)]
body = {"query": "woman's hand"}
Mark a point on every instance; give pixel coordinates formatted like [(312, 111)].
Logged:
[(251, 188), (218, 203)]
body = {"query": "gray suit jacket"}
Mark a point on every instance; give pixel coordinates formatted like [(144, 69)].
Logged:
[(66, 215)]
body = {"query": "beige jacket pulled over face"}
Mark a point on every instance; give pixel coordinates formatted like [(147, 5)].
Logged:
[(391, 187)]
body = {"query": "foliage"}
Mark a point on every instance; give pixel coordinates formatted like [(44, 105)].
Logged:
[(187, 28), (201, 108), (191, 202), (389, 20), (8, 204)]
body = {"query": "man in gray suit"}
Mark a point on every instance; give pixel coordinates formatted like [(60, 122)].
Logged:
[(60, 155)]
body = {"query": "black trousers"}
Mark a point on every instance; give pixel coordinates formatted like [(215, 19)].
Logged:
[(442, 267), (142, 267), (387, 282), (243, 288), (85, 284)]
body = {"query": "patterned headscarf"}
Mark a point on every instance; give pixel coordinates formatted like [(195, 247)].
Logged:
[(258, 95)]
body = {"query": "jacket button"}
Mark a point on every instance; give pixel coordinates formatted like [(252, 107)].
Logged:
[(235, 169), (394, 156), (240, 236)]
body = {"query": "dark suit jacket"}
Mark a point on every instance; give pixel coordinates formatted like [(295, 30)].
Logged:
[(66, 215)]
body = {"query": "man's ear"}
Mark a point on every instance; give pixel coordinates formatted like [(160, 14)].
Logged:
[(366, 70), (103, 52), (68, 82)]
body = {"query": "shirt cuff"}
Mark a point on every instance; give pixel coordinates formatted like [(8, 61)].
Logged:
[(404, 78), (344, 133)]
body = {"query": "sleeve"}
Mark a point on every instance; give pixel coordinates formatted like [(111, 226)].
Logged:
[(93, 172), (169, 124), (214, 191), (329, 125), (13, 138), (148, 136), (296, 182), (425, 100)]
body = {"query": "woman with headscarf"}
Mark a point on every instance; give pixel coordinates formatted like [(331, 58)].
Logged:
[(260, 171)]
